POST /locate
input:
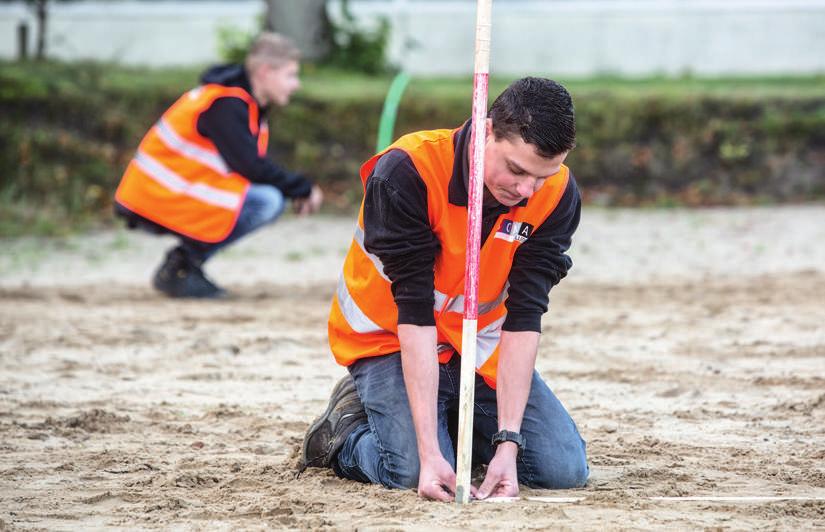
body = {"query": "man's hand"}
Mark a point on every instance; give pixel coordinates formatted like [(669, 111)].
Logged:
[(501, 479), (436, 480), (419, 362), (516, 360), (310, 204)]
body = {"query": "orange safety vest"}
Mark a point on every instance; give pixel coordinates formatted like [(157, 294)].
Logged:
[(363, 320), (179, 180)]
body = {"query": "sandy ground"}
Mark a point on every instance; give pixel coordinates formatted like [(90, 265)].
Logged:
[(688, 345)]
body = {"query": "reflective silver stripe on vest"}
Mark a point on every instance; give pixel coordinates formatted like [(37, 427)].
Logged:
[(190, 150), (357, 320), (174, 182), (440, 299), (487, 340), (359, 237), (457, 304)]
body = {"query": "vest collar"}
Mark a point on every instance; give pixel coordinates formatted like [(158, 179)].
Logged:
[(459, 182)]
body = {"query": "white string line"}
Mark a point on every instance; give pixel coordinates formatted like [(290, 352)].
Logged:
[(538, 499), (751, 499), (776, 498)]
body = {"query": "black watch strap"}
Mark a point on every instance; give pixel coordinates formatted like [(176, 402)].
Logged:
[(508, 435)]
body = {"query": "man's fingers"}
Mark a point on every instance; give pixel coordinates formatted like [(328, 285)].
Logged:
[(437, 481), (445, 495), (504, 490), (451, 481), (447, 487), (304, 208), (436, 492), (488, 486)]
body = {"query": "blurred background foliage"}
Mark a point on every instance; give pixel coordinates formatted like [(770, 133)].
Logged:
[(67, 131)]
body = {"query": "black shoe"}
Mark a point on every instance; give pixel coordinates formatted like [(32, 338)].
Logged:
[(181, 276), (328, 433)]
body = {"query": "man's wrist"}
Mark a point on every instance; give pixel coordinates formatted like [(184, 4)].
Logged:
[(428, 447), (510, 439), (508, 448), (429, 454)]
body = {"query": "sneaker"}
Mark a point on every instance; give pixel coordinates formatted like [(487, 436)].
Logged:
[(180, 276), (328, 433)]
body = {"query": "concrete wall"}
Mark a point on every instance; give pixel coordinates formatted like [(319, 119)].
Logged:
[(627, 37), (133, 32), (435, 37)]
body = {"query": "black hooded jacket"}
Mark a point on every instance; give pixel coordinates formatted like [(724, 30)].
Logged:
[(397, 230), (226, 124)]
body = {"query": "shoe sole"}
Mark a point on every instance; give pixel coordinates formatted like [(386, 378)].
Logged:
[(221, 294), (340, 388)]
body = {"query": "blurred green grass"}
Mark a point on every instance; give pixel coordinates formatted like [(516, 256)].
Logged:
[(67, 130), (342, 85), (334, 84)]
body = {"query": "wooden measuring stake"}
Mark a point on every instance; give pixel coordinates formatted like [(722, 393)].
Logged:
[(469, 330)]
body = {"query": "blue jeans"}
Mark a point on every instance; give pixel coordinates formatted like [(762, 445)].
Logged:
[(263, 205), (384, 450)]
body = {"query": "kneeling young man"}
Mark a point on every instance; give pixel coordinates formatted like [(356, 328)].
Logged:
[(396, 319)]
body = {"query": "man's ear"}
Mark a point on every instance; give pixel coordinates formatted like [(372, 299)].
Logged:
[(489, 128)]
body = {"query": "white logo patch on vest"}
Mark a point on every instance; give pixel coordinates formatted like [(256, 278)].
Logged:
[(514, 231)]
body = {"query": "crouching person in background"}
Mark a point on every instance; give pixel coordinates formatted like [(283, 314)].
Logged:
[(201, 172)]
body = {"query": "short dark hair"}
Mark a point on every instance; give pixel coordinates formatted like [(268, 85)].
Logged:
[(540, 111)]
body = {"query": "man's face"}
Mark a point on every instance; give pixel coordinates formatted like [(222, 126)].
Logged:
[(513, 170), (278, 83)]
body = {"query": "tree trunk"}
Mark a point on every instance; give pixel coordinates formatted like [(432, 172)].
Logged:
[(303, 21), (23, 41), (41, 13)]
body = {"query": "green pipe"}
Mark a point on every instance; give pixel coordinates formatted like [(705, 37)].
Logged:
[(390, 110)]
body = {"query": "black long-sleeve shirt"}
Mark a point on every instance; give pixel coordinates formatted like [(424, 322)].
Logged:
[(226, 124), (397, 230)]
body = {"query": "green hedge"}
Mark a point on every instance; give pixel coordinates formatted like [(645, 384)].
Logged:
[(68, 130)]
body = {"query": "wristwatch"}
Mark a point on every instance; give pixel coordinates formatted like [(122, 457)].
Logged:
[(508, 435)]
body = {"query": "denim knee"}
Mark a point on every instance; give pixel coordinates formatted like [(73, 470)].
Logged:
[(268, 200), (566, 469), (404, 475)]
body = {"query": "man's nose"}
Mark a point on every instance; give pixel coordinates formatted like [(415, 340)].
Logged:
[(526, 188)]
